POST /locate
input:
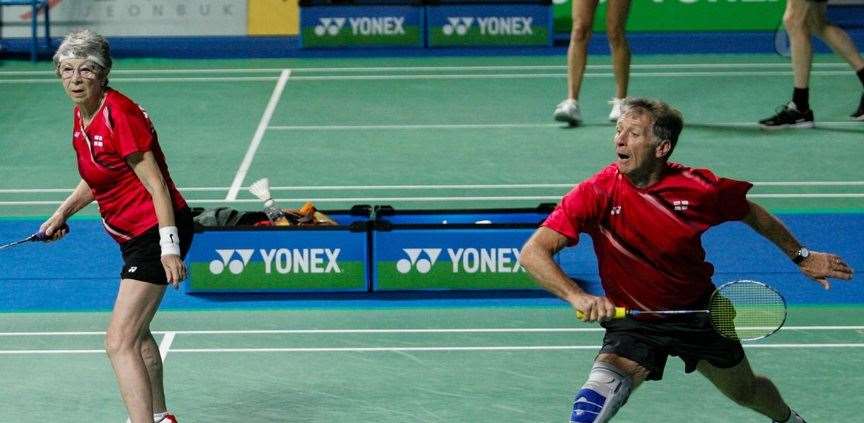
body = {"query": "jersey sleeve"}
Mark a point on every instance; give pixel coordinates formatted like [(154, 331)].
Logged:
[(577, 210), (732, 201), (132, 131)]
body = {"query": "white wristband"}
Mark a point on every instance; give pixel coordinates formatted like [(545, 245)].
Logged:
[(169, 241)]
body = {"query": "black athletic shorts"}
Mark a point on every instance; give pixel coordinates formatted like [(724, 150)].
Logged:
[(651, 342), (142, 256)]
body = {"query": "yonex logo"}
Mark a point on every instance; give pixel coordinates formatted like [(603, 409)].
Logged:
[(615, 210), (462, 260), (279, 260), (423, 265), (235, 266), (329, 26), (133, 269), (680, 204), (362, 25), (458, 25), (489, 25)]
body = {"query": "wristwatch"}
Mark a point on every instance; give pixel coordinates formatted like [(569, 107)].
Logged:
[(800, 255)]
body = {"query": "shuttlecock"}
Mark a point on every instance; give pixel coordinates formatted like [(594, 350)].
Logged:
[(261, 189)]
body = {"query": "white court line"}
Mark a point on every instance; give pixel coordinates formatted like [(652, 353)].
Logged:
[(426, 199), (426, 187), (438, 68), (557, 75), (429, 126), (397, 331), (259, 135), (165, 345), (413, 349), (509, 126), (437, 76), (156, 79)]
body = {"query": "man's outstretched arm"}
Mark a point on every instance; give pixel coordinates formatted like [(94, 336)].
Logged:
[(818, 266)]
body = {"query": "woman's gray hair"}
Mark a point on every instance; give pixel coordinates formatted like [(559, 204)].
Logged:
[(84, 44)]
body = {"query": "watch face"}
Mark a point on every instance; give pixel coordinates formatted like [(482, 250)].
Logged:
[(804, 252)]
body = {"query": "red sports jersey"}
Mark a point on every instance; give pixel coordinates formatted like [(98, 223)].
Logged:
[(118, 129), (648, 241)]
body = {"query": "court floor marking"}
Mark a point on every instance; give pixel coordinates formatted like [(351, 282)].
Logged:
[(259, 135), (440, 68), (438, 76), (413, 349), (421, 199), (424, 187), (389, 331), (460, 126)]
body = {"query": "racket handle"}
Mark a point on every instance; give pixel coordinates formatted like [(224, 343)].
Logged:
[(41, 236), (620, 313)]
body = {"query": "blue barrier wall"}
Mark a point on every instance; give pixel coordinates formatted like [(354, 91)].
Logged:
[(81, 272)]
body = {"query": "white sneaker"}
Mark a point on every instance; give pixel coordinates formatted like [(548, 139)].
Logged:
[(616, 109), (568, 111)]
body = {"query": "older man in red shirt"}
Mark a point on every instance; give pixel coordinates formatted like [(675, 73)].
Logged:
[(646, 217)]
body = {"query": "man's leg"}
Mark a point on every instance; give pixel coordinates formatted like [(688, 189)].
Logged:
[(796, 114), (611, 381), (840, 42), (133, 310), (739, 384), (796, 20), (834, 36)]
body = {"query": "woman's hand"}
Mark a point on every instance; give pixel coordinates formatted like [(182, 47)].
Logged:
[(54, 228), (175, 269)]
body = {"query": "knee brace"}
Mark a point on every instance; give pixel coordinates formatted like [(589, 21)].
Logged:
[(605, 391)]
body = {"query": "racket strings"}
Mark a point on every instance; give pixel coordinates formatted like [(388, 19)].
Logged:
[(747, 311)]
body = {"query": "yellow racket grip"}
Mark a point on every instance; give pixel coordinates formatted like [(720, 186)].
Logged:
[(620, 313)]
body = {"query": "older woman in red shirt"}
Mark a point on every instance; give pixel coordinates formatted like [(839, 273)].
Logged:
[(123, 169)]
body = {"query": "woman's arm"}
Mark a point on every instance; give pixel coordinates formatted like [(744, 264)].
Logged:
[(147, 169), (80, 197)]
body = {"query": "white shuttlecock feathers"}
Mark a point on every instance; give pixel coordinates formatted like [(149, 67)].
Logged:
[(261, 189)]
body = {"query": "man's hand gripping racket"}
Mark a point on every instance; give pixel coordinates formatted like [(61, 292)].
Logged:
[(742, 310)]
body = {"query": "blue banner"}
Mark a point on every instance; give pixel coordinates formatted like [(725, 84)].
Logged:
[(289, 260), (489, 25), (361, 26)]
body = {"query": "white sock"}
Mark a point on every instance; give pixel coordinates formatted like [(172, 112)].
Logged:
[(158, 417)]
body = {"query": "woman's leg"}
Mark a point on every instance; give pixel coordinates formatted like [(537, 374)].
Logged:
[(577, 53), (134, 308), (616, 22)]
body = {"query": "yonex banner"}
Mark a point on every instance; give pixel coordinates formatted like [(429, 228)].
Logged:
[(358, 26), (686, 15), (441, 258), (288, 260), (489, 25)]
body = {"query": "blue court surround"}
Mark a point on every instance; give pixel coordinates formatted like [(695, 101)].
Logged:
[(81, 272)]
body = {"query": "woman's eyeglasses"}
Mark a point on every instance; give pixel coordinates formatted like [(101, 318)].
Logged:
[(85, 71)]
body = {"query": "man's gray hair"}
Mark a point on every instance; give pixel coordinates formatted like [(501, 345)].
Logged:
[(667, 120), (84, 44)]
